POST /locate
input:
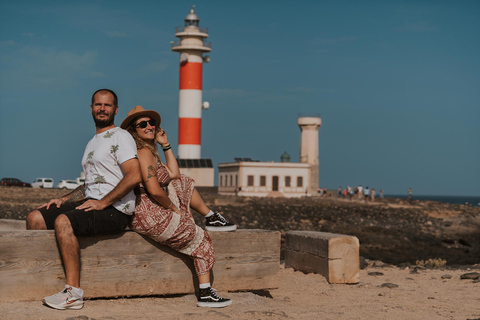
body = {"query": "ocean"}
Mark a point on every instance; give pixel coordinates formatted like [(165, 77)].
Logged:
[(474, 201)]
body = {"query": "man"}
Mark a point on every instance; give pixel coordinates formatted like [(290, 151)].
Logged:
[(103, 205)]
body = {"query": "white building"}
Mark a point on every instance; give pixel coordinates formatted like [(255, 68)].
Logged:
[(260, 179)]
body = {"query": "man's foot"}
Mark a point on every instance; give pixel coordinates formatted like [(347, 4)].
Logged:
[(217, 222), (66, 299), (208, 298)]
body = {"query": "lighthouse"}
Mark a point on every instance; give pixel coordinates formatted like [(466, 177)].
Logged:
[(309, 125), (192, 45)]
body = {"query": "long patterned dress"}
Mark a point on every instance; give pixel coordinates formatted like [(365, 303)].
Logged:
[(178, 231)]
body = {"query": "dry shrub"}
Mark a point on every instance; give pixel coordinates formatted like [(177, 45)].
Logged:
[(434, 263)]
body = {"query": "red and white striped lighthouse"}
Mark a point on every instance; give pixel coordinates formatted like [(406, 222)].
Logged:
[(191, 46)]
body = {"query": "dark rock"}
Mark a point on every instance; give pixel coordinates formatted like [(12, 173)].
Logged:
[(363, 263), (446, 276), (375, 273), (389, 285), (470, 275)]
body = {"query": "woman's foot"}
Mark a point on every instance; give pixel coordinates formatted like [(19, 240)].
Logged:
[(216, 222), (208, 298)]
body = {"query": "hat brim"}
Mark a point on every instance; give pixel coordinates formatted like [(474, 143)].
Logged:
[(146, 113)]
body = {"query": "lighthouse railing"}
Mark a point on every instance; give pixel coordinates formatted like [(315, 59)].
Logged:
[(182, 29), (177, 43)]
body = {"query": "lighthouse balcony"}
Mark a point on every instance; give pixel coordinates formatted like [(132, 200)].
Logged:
[(191, 31), (178, 46)]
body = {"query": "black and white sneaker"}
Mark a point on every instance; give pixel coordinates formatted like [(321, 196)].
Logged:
[(208, 298), (216, 222)]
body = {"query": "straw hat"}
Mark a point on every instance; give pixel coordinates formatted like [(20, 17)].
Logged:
[(138, 111)]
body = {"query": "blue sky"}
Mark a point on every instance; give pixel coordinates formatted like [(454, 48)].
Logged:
[(397, 84)]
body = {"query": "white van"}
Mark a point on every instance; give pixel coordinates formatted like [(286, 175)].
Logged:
[(43, 183)]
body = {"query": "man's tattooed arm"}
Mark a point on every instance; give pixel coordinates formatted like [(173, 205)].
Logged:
[(76, 195)]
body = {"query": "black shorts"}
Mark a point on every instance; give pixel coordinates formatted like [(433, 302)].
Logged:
[(87, 223)]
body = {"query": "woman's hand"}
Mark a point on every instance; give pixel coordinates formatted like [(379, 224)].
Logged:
[(162, 137)]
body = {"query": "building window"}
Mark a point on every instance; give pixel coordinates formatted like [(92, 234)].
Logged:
[(231, 181), (288, 180), (263, 181), (299, 181), (221, 181), (250, 181), (236, 181)]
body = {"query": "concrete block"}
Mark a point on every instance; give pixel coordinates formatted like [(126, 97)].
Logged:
[(335, 256)]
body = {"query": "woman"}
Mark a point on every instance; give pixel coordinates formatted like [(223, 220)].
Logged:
[(166, 218)]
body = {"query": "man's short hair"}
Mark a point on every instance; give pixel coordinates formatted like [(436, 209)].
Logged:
[(115, 99)]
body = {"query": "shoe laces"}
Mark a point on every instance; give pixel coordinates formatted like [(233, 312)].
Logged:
[(213, 293), (221, 218)]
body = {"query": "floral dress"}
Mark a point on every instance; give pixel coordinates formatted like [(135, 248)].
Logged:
[(178, 231)]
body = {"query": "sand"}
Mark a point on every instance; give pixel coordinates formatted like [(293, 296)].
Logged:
[(428, 294), (392, 231)]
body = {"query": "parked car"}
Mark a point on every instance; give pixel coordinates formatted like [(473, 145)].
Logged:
[(43, 183), (14, 182), (67, 184)]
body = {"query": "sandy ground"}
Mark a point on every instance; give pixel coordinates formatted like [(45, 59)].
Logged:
[(391, 230), (427, 294)]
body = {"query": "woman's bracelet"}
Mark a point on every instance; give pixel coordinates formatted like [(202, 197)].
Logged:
[(167, 147), (171, 204)]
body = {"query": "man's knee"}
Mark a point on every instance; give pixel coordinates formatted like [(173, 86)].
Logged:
[(62, 224), (35, 221)]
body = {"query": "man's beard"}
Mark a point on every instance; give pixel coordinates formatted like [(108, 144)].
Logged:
[(103, 123)]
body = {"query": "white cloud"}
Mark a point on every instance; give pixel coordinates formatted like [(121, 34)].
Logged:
[(7, 43), (154, 67), (40, 68)]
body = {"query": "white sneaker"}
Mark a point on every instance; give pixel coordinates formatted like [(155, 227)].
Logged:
[(66, 299)]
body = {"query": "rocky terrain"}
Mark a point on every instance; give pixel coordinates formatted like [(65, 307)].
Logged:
[(395, 231)]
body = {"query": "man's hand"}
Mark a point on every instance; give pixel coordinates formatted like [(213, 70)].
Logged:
[(57, 202), (90, 205)]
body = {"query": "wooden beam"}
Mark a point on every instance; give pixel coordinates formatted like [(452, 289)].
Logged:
[(335, 256), (131, 265)]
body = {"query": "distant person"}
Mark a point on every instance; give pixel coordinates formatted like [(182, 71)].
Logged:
[(366, 193), (381, 194), (410, 191), (324, 192), (350, 192), (339, 192), (345, 193), (164, 198), (360, 191), (373, 194), (103, 205)]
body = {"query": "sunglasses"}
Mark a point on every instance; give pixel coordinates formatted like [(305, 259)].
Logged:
[(143, 124)]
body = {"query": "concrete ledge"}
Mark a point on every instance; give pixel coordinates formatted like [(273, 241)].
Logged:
[(10, 224), (335, 256), (131, 265)]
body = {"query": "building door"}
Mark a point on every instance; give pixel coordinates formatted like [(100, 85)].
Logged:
[(275, 183)]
